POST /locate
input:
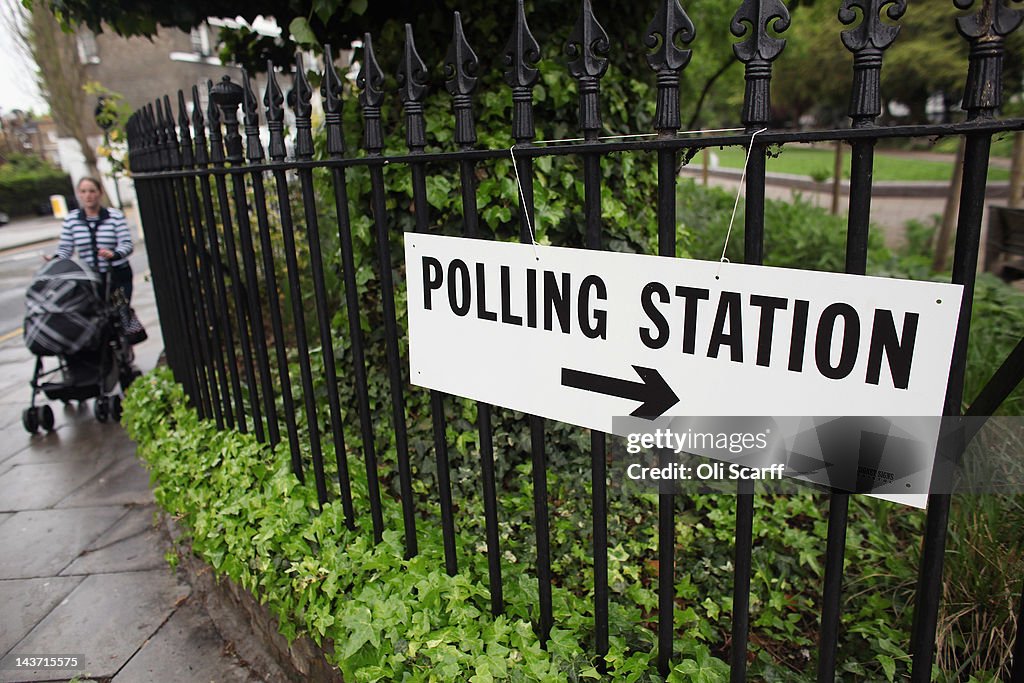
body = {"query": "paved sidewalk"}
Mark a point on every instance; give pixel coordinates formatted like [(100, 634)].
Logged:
[(24, 231), (82, 567)]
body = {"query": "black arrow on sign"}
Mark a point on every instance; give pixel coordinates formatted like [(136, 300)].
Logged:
[(654, 392)]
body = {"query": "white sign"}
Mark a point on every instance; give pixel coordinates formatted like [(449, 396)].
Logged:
[(584, 336)]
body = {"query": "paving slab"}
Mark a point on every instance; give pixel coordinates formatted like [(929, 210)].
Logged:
[(187, 648), (4, 516), (26, 602), (125, 482), (40, 448), (106, 619), (36, 487), (76, 437), (134, 543), (40, 543)]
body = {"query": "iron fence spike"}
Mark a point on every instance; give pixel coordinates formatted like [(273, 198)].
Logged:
[(251, 117), (522, 54), (669, 29), (460, 72), (330, 93), (273, 100), (986, 30), (185, 136), (588, 50), (412, 85), (588, 46), (199, 127), (867, 41), (371, 81), (302, 95)]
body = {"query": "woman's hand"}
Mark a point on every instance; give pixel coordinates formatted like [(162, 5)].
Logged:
[(106, 254)]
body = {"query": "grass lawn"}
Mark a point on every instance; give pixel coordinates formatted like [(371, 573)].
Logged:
[(803, 160)]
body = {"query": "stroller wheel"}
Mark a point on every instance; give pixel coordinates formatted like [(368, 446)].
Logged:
[(29, 420), (101, 409), (115, 408), (45, 415)]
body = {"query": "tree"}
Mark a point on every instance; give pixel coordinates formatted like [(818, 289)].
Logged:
[(313, 23), (60, 73), (928, 57)]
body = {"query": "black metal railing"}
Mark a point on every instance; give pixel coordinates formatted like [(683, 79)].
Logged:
[(215, 298)]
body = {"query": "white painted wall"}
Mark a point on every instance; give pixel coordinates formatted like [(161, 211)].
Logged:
[(72, 161)]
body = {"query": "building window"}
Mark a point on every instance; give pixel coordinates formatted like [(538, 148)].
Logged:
[(200, 41), (87, 52)]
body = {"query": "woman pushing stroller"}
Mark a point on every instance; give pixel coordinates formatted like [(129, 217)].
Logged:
[(77, 312), (100, 236)]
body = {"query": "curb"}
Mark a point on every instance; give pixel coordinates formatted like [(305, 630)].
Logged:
[(884, 188)]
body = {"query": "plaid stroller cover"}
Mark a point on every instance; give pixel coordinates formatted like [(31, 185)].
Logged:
[(63, 309)]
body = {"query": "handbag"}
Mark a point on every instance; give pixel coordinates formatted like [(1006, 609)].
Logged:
[(131, 327)]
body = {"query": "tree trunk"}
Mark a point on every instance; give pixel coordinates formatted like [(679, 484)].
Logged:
[(1017, 171), (950, 214), (705, 90), (837, 178), (61, 76)]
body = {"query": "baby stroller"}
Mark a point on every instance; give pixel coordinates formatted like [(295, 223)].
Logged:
[(70, 317)]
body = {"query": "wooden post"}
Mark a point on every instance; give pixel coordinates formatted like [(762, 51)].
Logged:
[(1017, 171), (837, 177)]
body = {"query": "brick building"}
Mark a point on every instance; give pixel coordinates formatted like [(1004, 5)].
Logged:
[(141, 69)]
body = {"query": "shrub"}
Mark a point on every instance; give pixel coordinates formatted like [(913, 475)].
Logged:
[(26, 183)]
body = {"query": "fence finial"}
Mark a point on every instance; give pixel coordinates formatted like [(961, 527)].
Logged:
[(157, 161), (273, 100), (227, 96), (251, 117), (668, 31), (757, 52), (371, 81), (588, 50), (867, 41), (185, 134), (412, 84), (173, 151), (129, 132), (300, 97), (460, 77), (199, 127), (522, 53), (161, 133), (330, 93), (213, 122), (137, 141), (986, 30)]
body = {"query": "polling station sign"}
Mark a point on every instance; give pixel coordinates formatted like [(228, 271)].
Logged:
[(584, 336)]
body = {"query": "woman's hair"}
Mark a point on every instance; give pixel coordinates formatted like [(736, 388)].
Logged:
[(92, 180)]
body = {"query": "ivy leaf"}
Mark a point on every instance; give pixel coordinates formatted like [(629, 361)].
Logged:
[(301, 32), (888, 666), (325, 9), (438, 188), (358, 6), (705, 669), (359, 621)]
